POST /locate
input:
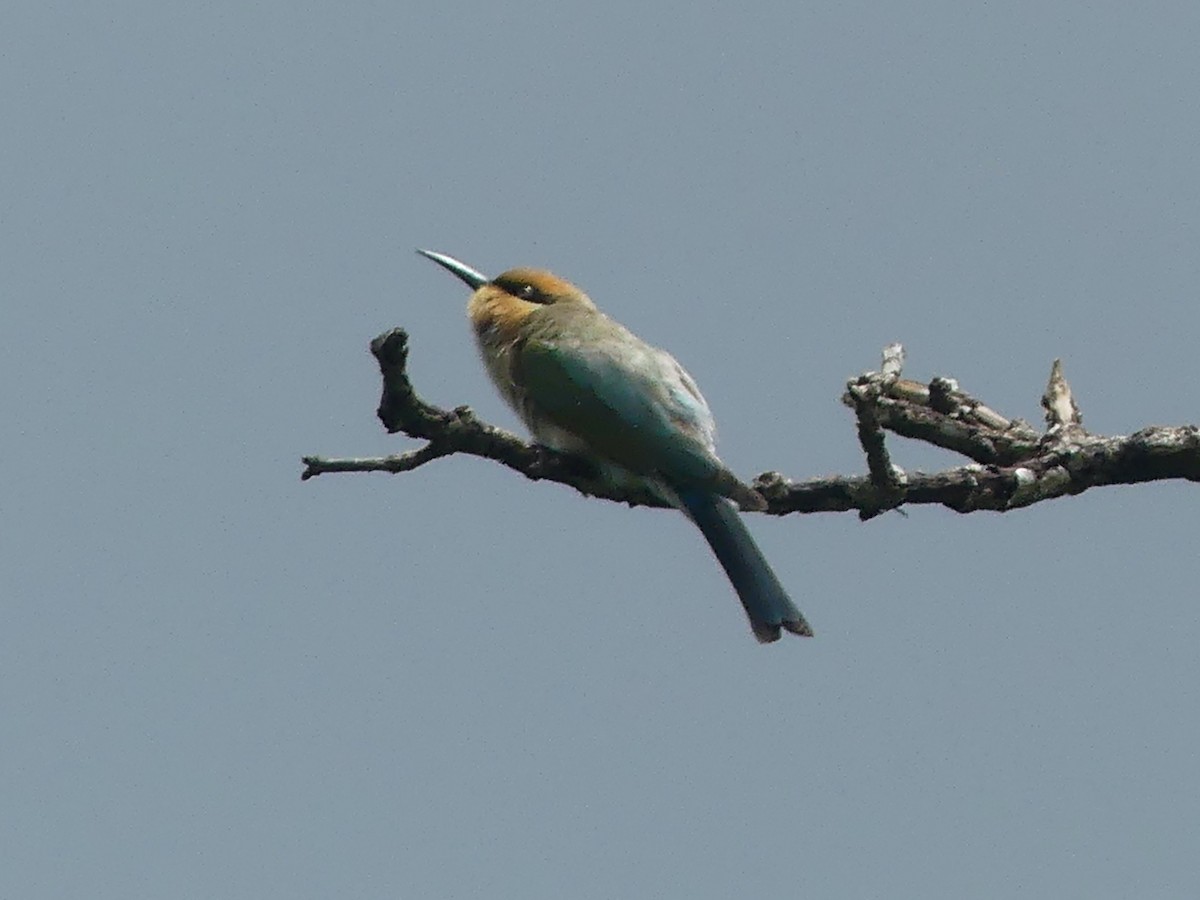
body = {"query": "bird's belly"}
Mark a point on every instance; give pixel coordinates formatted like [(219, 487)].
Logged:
[(612, 473), (550, 435)]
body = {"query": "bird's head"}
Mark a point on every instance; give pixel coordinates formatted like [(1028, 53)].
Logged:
[(508, 299)]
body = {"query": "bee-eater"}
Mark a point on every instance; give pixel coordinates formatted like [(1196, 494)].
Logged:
[(586, 385)]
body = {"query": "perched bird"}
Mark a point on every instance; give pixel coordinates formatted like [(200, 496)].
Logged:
[(584, 384)]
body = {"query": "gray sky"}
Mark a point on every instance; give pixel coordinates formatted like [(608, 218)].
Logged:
[(216, 681)]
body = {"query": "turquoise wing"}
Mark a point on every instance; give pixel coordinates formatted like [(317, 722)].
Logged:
[(629, 402)]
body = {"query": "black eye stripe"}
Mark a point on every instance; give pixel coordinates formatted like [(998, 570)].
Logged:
[(522, 289)]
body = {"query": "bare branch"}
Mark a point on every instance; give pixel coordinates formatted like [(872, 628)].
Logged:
[(941, 414), (886, 479), (1013, 465), (1061, 410), (1152, 454)]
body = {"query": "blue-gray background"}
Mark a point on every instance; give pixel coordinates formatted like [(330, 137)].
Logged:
[(217, 681)]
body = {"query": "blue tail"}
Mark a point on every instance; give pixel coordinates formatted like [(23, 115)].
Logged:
[(767, 604)]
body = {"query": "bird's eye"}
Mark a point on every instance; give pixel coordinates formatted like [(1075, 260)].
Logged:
[(521, 289)]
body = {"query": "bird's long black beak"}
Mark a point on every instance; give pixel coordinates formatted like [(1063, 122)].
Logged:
[(474, 279)]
